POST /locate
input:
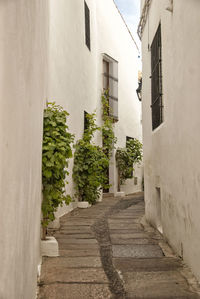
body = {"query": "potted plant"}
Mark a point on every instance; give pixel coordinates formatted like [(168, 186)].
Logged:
[(90, 163), (56, 152)]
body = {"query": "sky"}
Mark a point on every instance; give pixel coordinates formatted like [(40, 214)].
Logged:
[(130, 9)]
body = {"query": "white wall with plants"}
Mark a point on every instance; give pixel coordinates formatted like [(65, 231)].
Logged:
[(75, 77)]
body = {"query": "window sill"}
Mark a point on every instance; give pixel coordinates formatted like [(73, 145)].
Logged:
[(158, 128)]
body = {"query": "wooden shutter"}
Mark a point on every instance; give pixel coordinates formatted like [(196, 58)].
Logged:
[(110, 83), (113, 90), (105, 75)]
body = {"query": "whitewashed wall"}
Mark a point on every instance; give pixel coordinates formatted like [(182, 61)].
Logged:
[(171, 152), (115, 40), (23, 49), (75, 79), (72, 68)]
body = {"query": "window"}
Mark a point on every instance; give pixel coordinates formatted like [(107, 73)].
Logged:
[(86, 123), (156, 80), (110, 83), (128, 139), (87, 26)]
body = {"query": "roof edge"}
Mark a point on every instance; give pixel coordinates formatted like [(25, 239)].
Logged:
[(143, 17), (126, 26)]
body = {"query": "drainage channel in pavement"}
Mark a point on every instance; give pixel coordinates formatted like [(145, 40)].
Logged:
[(133, 256), (102, 234)]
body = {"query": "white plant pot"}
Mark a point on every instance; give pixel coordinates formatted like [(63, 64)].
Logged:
[(83, 205), (49, 247), (101, 196)]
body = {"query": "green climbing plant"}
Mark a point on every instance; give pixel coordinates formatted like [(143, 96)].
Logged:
[(108, 135), (126, 158), (90, 163), (56, 152)]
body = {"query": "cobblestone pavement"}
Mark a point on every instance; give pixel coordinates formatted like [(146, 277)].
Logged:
[(106, 251)]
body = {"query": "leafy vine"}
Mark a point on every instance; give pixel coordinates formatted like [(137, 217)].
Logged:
[(108, 134), (126, 158), (90, 163), (56, 152)]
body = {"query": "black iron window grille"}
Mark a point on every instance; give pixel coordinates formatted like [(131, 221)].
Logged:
[(87, 26), (156, 80)]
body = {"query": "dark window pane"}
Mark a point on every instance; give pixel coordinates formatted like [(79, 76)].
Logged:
[(156, 80), (105, 75), (86, 122), (87, 26), (156, 113), (110, 83)]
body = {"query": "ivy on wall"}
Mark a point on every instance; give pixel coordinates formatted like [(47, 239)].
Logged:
[(56, 152), (89, 164), (91, 161), (108, 134), (126, 158)]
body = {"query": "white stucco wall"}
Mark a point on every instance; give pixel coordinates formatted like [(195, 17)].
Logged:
[(171, 152), (75, 79), (115, 40), (72, 68), (23, 48)]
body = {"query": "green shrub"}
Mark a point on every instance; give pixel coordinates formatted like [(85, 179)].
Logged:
[(108, 135), (90, 163), (123, 164), (126, 158), (56, 151)]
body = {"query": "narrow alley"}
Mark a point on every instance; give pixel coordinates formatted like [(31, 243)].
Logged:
[(108, 251)]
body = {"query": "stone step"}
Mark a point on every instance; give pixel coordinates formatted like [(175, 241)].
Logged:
[(107, 195)]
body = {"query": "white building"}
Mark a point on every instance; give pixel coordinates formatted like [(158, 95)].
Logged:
[(23, 80), (44, 56), (170, 33), (76, 72)]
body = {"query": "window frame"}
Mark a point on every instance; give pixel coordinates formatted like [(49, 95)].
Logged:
[(112, 83), (87, 26), (156, 80)]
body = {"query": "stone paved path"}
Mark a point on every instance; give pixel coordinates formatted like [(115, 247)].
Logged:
[(105, 252)]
